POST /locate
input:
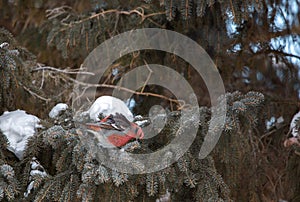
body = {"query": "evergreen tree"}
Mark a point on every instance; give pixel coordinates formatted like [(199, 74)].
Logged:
[(261, 77)]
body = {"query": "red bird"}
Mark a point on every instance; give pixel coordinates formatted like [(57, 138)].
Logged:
[(115, 131)]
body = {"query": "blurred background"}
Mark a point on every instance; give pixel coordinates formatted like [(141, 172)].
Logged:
[(255, 44)]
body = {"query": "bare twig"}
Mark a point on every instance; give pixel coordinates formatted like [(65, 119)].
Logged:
[(34, 94), (88, 85), (55, 12), (148, 78), (139, 11), (43, 79), (65, 71)]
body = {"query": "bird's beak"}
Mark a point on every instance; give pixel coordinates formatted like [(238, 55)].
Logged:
[(137, 131), (140, 133), (291, 141)]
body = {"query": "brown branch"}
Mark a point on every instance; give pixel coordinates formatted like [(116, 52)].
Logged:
[(18, 83), (232, 9), (103, 13), (88, 85), (148, 77), (127, 90), (281, 53), (34, 94), (65, 71), (118, 12)]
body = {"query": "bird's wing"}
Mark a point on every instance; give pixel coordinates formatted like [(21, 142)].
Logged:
[(102, 125), (116, 124), (121, 121)]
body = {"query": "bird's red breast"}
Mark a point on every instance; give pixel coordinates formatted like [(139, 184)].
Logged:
[(117, 129), (119, 140)]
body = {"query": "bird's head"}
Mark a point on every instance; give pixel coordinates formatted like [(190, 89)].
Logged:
[(136, 131), (291, 141)]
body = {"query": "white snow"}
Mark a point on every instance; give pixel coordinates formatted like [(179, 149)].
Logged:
[(34, 165), (37, 172), (293, 124), (164, 198), (131, 103), (142, 123), (18, 126), (270, 123), (36, 169), (274, 122), (57, 109), (109, 105), (280, 120), (29, 188)]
